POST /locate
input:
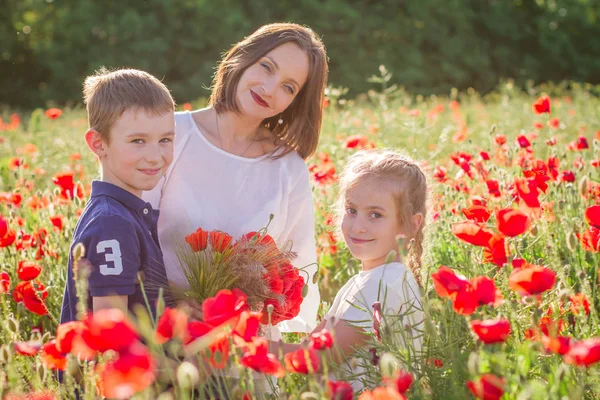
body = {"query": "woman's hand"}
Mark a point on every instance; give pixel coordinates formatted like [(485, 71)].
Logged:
[(192, 308)]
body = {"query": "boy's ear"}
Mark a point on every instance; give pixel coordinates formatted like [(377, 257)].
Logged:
[(95, 142)]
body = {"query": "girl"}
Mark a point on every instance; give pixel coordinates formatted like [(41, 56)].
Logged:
[(383, 196)]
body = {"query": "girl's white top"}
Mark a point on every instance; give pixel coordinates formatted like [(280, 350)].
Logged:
[(206, 187), (394, 286)]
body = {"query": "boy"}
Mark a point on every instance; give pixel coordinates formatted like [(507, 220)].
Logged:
[(131, 131)]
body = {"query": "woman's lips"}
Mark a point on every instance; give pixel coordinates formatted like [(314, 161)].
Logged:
[(259, 100)]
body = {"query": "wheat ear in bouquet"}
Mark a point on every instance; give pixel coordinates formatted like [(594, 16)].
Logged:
[(212, 261)]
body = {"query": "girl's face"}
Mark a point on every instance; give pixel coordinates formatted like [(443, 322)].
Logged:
[(268, 87), (370, 223)]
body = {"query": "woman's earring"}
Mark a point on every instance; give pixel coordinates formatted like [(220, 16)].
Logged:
[(280, 121)]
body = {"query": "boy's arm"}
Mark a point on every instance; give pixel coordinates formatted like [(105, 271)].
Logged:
[(113, 252), (100, 303)]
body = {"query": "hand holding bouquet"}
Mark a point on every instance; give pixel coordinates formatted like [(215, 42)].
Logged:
[(212, 261)]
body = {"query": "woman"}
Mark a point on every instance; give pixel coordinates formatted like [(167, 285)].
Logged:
[(242, 158)]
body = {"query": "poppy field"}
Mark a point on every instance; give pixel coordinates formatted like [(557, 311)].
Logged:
[(509, 279)]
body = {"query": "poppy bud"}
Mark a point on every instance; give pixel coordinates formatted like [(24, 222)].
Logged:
[(46, 337), (12, 324), (40, 371), (583, 185), (5, 355), (304, 291), (391, 257), (388, 364), (473, 363), (187, 375), (165, 396), (78, 251)]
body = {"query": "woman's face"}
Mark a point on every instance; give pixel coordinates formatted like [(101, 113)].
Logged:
[(270, 85)]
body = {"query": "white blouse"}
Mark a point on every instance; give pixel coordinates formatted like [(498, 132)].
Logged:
[(209, 188)]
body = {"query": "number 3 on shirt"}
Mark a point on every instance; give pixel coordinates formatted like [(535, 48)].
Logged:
[(114, 257)]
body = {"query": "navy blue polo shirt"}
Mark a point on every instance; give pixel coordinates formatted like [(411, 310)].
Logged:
[(119, 234)]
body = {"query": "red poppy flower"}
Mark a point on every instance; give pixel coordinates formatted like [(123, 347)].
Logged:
[(57, 221), (9, 238), (358, 142), (584, 352), (542, 105), (302, 361), (259, 359), (381, 393), (491, 331), (440, 174), (219, 345), (486, 292), (69, 340), (447, 283), (226, 306), (466, 301), (579, 301), (487, 387), (512, 222), (582, 143), (27, 270), (133, 371), (495, 252), (109, 329), (29, 348), (172, 323), (52, 358), (477, 213), (3, 226), (321, 340), (187, 106), (554, 123), (533, 280), (592, 216), (567, 176), (4, 282), (472, 233), (500, 139), (556, 344), (528, 191), (198, 240), (247, 327), (53, 113), (401, 381), (523, 141), (551, 141), (340, 390), (493, 187), (484, 155), (590, 239), (32, 294), (220, 241)]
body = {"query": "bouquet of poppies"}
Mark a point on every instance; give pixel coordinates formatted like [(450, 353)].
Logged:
[(212, 261)]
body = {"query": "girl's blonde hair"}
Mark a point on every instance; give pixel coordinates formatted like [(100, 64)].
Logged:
[(410, 192)]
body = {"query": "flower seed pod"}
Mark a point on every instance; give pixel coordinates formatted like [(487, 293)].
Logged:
[(46, 337)]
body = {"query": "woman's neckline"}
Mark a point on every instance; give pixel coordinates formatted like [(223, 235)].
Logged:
[(220, 150)]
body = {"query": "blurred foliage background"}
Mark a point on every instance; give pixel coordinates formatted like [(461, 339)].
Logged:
[(47, 47)]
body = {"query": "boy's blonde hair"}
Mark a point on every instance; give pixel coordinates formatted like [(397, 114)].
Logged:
[(108, 94), (409, 183)]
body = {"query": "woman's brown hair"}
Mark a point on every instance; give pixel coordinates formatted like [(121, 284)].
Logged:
[(410, 188), (302, 119)]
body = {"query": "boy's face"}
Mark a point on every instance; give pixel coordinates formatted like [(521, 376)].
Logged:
[(140, 150)]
